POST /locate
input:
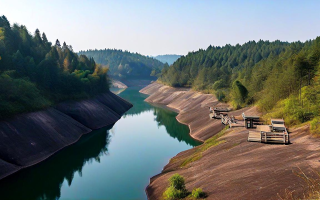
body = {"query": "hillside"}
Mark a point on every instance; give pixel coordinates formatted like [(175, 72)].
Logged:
[(35, 74), (169, 58), (226, 165), (124, 64), (281, 78)]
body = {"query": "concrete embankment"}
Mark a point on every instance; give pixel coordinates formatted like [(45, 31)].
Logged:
[(30, 138), (234, 169)]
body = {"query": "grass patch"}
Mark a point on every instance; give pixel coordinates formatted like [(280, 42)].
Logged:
[(211, 142), (194, 157)]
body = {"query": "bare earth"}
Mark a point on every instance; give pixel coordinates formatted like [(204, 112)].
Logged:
[(235, 169), (117, 84)]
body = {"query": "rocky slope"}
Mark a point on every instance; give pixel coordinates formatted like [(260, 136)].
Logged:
[(30, 138), (234, 169), (117, 84)]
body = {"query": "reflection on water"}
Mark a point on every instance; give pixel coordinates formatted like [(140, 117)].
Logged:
[(173, 127), (43, 181), (109, 163)]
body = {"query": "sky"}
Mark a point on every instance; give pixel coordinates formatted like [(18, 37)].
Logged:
[(164, 26)]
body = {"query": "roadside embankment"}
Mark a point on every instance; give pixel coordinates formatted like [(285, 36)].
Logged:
[(232, 168), (30, 138)]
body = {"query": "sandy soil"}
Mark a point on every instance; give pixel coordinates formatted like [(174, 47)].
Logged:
[(235, 169)]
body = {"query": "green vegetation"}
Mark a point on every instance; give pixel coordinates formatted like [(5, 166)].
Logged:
[(171, 194), (177, 182), (124, 64), (35, 74), (281, 78), (198, 193), (169, 58), (177, 189), (315, 125)]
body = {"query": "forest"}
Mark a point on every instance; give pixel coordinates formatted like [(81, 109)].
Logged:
[(281, 78), (124, 64), (34, 73)]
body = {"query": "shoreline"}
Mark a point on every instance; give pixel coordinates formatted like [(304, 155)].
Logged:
[(176, 99), (55, 129), (234, 168), (176, 111)]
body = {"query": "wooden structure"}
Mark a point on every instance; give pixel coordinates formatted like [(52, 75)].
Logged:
[(225, 119), (269, 137), (275, 133), (250, 121), (221, 113), (216, 112), (231, 121), (278, 125)]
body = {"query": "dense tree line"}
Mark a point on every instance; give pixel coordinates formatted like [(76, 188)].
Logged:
[(124, 64), (35, 74), (280, 77)]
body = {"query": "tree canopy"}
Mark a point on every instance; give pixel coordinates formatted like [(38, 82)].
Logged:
[(124, 64), (35, 74), (281, 78)]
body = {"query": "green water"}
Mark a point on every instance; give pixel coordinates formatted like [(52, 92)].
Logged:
[(109, 163)]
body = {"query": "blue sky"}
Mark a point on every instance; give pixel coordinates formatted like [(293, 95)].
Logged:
[(165, 27)]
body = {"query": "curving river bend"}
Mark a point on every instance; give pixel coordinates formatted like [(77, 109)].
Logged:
[(109, 163)]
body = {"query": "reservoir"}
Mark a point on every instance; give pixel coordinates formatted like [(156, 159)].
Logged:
[(110, 163)]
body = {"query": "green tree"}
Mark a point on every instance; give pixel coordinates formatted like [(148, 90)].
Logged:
[(239, 93)]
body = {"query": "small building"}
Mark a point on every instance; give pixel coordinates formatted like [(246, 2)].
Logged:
[(274, 133), (250, 121), (277, 121), (278, 125)]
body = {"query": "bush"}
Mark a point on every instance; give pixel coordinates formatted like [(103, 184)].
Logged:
[(177, 182), (172, 193), (198, 193), (177, 188), (220, 95), (315, 125)]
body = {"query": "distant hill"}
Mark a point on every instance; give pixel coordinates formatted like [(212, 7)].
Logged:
[(124, 64), (169, 58), (281, 78)]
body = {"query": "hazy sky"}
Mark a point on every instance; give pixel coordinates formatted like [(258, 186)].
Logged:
[(165, 27)]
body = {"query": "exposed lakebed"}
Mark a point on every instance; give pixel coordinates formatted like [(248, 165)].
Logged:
[(109, 163)]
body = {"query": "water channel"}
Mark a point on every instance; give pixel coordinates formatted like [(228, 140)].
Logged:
[(110, 163)]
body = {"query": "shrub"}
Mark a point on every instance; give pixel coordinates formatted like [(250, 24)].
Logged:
[(177, 182), (220, 95), (177, 188), (315, 125), (198, 193), (172, 193)]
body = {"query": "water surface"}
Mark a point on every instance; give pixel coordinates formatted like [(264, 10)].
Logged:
[(109, 163)]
